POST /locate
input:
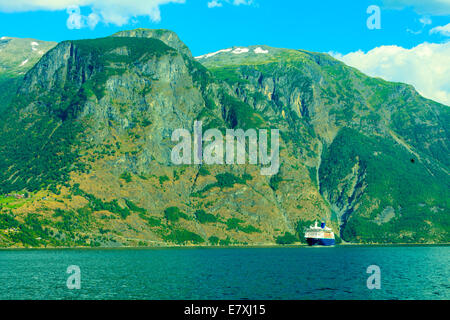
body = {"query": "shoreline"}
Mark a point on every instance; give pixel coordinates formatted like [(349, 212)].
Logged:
[(267, 246)]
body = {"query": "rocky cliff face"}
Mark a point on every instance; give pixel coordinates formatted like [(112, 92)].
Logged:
[(88, 138)]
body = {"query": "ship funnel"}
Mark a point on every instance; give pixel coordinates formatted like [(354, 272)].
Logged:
[(322, 225)]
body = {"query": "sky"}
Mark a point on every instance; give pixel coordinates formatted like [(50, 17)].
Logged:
[(398, 40)]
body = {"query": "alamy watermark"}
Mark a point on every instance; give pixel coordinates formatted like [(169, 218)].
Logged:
[(74, 280), (208, 148), (374, 20), (374, 280)]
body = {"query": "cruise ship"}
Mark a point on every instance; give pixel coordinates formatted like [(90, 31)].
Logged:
[(319, 235)]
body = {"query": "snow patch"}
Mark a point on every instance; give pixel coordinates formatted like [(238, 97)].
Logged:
[(240, 50), (23, 63), (209, 55), (34, 45), (260, 50)]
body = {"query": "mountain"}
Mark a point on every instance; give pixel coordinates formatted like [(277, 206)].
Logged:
[(88, 145), (17, 56), (378, 143)]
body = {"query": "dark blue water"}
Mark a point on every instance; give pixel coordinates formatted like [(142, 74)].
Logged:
[(421, 272)]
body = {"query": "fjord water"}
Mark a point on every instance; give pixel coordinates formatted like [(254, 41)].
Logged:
[(407, 272)]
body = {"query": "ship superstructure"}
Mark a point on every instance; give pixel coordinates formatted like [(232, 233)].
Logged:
[(319, 235)]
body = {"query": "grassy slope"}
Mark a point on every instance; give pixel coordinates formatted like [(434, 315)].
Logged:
[(13, 55)]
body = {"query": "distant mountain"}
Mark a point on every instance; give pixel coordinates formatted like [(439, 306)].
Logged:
[(17, 56), (87, 141)]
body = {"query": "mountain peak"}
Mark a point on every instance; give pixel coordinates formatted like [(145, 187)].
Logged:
[(170, 38)]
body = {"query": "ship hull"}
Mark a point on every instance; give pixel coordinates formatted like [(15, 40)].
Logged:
[(320, 242)]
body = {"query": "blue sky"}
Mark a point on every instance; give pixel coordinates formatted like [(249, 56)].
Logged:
[(412, 45), (324, 25)]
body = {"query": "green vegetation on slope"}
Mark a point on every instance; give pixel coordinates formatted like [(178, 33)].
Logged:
[(390, 180)]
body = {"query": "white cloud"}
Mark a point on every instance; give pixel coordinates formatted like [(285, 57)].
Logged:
[(425, 20), (244, 2), (431, 7), (219, 3), (426, 67), (118, 12), (444, 30), (214, 4), (92, 20), (77, 21)]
